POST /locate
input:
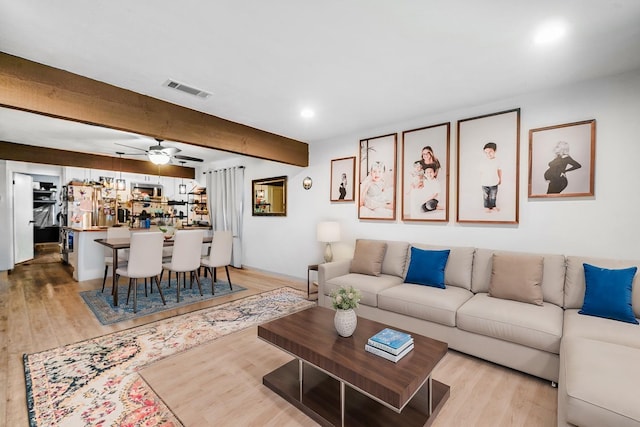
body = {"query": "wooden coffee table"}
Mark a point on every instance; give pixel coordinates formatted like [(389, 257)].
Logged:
[(336, 382)]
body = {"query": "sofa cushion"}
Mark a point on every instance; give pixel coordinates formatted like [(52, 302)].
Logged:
[(608, 293), (517, 277), (368, 256), (458, 270), (553, 274), (575, 283), (601, 382), (597, 328), (424, 302), (427, 267), (536, 326), (395, 258), (369, 286)]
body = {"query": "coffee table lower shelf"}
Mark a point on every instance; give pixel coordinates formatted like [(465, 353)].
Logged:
[(321, 399)]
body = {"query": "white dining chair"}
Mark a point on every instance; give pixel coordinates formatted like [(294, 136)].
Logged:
[(220, 256), (185, 258), (123, 255), (145, 262)]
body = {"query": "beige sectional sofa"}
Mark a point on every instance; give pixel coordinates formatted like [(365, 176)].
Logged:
[(590, 357), (599, 358)]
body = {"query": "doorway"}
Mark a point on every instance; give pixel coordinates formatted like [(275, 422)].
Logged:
[(35, 213)]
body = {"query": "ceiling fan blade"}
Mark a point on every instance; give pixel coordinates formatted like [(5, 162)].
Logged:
[(129, 146), (171, 150), (188, 158)]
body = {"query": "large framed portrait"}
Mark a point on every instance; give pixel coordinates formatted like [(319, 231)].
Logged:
[(343, 175), (562, 160), (488, 156), (425, 173), (377, 178)]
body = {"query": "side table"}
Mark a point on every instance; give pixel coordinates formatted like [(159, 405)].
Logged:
[(310, 268)]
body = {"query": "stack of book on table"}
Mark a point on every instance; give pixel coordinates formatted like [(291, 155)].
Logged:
[(391, 344)]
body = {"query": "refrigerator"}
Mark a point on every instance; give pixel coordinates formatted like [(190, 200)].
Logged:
[(90, 206)]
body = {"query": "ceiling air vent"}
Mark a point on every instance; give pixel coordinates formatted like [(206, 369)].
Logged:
[(187, 89)]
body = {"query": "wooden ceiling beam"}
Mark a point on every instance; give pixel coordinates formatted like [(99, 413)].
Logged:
[(52, 156), (30, 86)]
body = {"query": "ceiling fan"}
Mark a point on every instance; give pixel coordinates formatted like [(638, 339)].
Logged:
[(160, 154)]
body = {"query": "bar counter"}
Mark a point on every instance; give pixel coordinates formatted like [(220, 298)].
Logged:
[(87, 257)]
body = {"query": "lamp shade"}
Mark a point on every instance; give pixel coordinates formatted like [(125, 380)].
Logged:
[(159, 157), (328, 231)]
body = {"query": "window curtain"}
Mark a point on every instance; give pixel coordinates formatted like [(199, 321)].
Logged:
[(225, 189)]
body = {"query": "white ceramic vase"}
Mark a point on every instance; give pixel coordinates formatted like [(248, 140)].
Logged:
[(345, 322)]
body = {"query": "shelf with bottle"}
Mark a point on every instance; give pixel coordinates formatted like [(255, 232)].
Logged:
[(197, 206)]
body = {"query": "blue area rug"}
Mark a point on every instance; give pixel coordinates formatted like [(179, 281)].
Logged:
[(101, 304)]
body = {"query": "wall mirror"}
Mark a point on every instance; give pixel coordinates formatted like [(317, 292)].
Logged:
[(269, 196)]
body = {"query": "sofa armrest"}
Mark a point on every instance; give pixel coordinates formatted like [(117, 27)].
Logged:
[(329, 270)]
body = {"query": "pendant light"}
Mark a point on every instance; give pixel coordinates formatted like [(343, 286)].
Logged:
[(182, 188), (121, 184)]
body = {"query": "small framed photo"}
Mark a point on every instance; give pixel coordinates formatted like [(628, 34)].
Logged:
[(377, 180), (425, 173), (488, 156), (562, 160), (343, 176)]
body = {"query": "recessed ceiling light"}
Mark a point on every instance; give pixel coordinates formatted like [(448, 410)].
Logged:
[(307, 113), (550, 32)]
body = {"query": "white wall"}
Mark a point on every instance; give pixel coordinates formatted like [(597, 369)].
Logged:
[(6, 224), (606, 225)]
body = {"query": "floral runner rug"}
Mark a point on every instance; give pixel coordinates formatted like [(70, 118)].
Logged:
[(96, 382)]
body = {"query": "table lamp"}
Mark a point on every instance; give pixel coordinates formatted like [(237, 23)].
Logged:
[(328, 232)]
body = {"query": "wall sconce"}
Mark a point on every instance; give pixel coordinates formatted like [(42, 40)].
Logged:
[(307, 183)]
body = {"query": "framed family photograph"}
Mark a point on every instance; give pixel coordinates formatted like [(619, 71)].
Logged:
[(425, 173), (343, 175), (377, 180), (562, 160), (488, 156)]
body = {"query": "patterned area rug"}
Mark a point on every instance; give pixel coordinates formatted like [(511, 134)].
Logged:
[(101, 303), (96, 382)]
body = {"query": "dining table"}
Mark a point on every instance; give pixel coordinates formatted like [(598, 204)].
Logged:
[(120, 243)]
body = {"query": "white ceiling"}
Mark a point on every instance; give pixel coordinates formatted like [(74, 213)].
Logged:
[(359, 64)]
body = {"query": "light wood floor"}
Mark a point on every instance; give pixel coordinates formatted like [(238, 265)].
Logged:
[(40, 308)]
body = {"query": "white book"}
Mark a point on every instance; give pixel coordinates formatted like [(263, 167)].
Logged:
[(388, 356), (394, 351)]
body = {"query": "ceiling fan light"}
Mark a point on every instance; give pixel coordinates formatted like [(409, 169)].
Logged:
[(159, 157)]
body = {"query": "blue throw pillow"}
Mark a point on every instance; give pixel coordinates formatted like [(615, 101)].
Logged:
[(608, 293), (427, 267)]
